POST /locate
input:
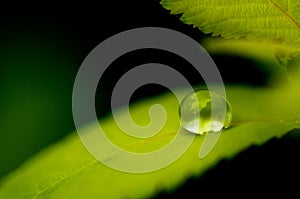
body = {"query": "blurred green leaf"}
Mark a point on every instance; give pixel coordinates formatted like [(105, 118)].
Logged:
[(67, 170), (271, 55), (279, 61), (260, 51)]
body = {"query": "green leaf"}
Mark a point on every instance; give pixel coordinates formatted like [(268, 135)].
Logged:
[(67, 170), (274, 20), (271, 56), (246, 49)]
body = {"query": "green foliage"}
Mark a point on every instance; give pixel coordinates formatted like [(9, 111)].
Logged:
[(274, 21), (254, 19), (269, 58), (67, 170)]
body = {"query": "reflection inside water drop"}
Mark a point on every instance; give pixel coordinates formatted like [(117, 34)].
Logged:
[(195, 112)]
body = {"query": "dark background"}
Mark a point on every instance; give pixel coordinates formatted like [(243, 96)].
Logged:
[(41, 49)]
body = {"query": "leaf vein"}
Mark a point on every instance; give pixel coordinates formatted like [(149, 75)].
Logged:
[(64, 178), (285, 13)]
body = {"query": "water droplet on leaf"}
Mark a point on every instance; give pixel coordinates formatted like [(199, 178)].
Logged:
[(196, 109)]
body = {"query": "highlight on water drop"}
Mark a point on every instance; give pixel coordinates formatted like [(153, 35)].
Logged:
[(196, 112)]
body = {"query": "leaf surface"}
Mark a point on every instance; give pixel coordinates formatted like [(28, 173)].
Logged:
[(274, 20), (67, 170)]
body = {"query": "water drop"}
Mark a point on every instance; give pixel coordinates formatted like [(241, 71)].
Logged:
[(195, 112)]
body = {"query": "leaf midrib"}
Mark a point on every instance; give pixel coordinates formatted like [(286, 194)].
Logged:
[(285, 13), (39, 192)]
